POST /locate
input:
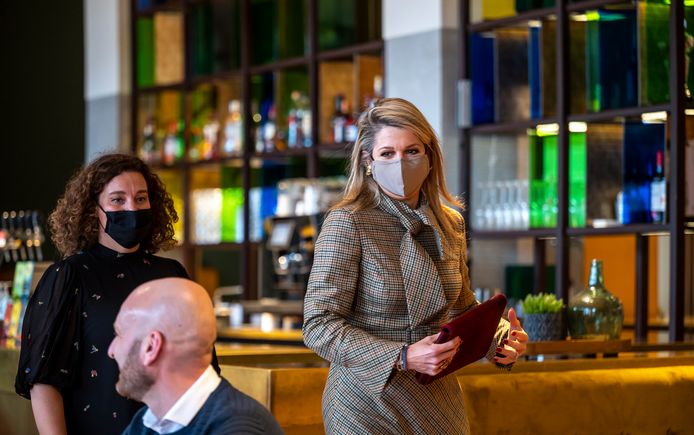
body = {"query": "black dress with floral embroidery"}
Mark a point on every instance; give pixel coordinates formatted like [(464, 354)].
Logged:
[(68, 328)]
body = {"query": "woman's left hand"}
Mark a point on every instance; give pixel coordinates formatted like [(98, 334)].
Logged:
[(513, 346)]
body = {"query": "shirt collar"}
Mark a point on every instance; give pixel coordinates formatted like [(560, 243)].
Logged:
[(186, 407)]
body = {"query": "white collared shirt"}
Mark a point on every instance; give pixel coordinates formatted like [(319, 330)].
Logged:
[(186, 407)]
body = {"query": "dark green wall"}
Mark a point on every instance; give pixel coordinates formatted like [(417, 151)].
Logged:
[(41, 101)]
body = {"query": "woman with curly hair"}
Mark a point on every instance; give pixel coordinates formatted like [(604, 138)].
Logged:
[(115, 214)]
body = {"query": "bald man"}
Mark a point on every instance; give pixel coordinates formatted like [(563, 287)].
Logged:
[(164, 333)]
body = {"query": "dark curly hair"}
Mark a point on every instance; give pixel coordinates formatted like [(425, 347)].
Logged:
[(74, 223)]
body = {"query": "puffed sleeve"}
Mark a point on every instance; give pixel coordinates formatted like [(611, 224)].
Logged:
[(328, 302), (51, 331)]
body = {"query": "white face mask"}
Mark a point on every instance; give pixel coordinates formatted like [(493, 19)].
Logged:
[(401, 177)]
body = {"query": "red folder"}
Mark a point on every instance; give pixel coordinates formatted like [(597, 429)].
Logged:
[(476, 327)]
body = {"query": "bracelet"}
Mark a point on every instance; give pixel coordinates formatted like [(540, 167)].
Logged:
[(402, 363), (404, 357)]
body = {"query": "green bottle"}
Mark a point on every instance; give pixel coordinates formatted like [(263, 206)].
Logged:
[(595, 313)]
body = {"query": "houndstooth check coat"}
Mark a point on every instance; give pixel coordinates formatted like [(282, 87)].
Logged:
[(383, 277)]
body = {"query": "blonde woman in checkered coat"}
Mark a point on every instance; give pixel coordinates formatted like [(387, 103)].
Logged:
[(390, 269)]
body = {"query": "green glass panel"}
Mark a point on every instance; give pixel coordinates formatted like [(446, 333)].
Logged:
[(145, 51), (689, 42), (527, 5), (654, 52), (549, 177), (348, 22), (201, 45), (611, 58), (232, 204), (279, 30), (536, 188), (333, 166), (593, 88), (227, 263), (543, 165), (577, 179)]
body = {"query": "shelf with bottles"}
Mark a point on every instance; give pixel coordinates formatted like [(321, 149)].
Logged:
[(348, 85), (160, 128), (216, 126), (281, 111), (21, 236), (520, 58)]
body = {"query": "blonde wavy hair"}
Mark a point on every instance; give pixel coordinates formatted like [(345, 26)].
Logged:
[(74, 223), (362, 192)]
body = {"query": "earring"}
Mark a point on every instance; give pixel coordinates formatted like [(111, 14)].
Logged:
[(368, 170)]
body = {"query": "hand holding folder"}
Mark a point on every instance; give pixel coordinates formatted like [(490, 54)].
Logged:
[(476, 328)]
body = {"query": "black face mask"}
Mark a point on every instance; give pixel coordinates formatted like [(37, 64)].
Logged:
[(128, 227)]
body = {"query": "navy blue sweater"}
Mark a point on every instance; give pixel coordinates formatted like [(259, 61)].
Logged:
[(226, 411)]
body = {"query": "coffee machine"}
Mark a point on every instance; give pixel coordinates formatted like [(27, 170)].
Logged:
[(290, 242)]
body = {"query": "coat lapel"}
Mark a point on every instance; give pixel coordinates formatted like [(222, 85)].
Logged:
[(424, 292)]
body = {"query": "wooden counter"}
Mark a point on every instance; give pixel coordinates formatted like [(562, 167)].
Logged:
[(241, 354), (248, 334)]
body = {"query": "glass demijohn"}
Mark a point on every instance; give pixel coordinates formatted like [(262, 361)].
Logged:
[(595, 313)]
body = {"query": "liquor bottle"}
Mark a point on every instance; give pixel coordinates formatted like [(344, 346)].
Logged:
[(350, 125), (294, 134), (595, 313), (304, 114), (173, 145), (233, 129), (370, 100), (270, 140), (258, 129), (210, 134), (38, 235), (148, 151), (337, 122), (658, 190), (197, 142), (7, 236), (642, 142), (293, 129)]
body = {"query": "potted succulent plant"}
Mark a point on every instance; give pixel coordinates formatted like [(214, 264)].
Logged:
[(543, 317)]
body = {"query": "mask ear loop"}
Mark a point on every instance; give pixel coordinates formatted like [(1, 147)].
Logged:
[(105, 214)]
